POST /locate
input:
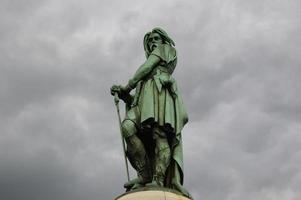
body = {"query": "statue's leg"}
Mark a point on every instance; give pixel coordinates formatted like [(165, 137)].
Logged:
[(136, 153), (162, 156)]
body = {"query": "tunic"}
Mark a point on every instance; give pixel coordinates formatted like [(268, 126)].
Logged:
[(157, 96)]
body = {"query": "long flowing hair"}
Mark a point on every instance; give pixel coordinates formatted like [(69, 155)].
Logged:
[(166, 39)]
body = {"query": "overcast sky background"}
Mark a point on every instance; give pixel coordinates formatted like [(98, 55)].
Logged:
[(239, 69)]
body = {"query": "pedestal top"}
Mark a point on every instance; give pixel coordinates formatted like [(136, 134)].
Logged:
[(152, 194)]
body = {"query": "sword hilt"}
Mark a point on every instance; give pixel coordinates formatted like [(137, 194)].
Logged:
[(116, 98)]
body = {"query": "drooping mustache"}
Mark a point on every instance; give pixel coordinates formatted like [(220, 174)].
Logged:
[(153, 46)]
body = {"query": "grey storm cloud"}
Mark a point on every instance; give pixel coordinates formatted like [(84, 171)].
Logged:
[(238, 69)]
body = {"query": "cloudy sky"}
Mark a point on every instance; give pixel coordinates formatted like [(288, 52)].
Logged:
[(239, 70)]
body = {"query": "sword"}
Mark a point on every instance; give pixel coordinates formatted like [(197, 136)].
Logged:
[(116, 100)]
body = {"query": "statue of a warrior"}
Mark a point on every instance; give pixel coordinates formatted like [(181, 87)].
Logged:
[(155, 117)]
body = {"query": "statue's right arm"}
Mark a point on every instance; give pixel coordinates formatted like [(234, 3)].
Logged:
[(143, 70)]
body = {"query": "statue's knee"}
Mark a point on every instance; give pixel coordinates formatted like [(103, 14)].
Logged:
[(128, 128), (162, 147), (161, 139)]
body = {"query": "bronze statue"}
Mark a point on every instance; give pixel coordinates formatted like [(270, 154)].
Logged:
[(155, 117)]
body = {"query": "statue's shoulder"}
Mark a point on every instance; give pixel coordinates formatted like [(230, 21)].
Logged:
[(166, 52)]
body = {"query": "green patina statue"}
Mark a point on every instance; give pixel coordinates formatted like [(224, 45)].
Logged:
[(155, 117)]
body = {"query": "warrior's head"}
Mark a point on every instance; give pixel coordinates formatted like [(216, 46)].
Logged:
[(154, 38)]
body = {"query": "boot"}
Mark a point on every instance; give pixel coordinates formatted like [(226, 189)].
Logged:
[(140, 162), (143, 177), (162, 161)]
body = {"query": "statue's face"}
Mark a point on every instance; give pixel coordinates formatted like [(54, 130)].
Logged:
[(154, 40)]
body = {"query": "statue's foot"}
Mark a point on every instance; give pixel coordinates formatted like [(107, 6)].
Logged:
[(134, 184), (137, 186), (128, 185)]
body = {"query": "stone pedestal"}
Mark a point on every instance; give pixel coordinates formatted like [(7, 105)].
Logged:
[(152, 194)]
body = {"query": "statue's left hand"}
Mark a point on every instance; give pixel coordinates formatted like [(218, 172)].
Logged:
[(122, 93), (120, 90), (116, 89)]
